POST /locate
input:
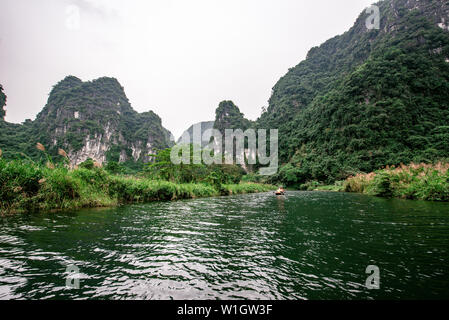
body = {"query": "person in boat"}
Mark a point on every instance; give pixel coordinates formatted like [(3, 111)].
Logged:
[(280, 191)]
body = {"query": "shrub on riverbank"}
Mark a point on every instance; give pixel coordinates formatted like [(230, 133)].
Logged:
[(28, 186), (336, 187), (415, 181), (230, 189), (127, 190)]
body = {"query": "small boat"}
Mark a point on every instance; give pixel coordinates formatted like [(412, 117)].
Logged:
[(280, 192)]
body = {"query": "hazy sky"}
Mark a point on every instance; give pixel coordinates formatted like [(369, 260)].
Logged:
[(179, 58)]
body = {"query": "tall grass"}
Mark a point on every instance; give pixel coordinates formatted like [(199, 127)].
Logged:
[(28, 186), (127, 189), (247, 187), (415, 181)]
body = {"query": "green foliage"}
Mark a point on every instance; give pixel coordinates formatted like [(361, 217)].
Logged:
[(162, 168), (253, 177), (291, 175), (76, 111), (247, 188), (309, 186), (59, 186), (382, 185), (420, 182), (228, 116), (114, 167), (28, 186), (89, 164), (96, 177), (2, 103), (336, 187), (364, 100), (18, 180), (143, 190)]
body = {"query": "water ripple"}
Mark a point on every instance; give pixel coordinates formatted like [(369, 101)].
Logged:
[(307, 246)]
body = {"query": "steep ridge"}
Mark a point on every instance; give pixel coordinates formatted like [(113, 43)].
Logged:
[(367, 98), (91, 120)]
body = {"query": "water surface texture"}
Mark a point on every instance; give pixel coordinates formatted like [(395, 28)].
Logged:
[(303, 246)]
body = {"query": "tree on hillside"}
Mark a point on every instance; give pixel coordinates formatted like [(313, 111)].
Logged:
[(2, 103)]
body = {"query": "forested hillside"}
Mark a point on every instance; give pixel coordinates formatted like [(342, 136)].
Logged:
[(367, 98), (362, 100), (88, 120)]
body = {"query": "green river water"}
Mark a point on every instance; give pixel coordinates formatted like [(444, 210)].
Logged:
[(307, 245)]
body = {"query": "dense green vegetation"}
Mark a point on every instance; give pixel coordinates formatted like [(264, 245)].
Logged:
[(359, 102), (163, 168), (2, 103), (362, 100), (228, 116), (28, 186), (366, 99), (416, 181), (40, 178), (96, 110)]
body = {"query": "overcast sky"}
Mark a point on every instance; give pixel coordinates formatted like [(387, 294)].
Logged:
[(179, 58)]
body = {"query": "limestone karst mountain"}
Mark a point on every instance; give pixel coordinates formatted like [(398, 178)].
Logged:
[(89, 120)]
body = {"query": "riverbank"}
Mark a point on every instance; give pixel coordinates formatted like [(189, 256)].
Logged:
[(26, 186), (422, 181), (415, 181)]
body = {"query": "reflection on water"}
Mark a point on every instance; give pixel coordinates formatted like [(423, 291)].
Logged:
[(301, 246), (281, 203)]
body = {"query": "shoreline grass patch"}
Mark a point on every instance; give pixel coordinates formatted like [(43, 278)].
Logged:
[(415, 181), (26, 186)]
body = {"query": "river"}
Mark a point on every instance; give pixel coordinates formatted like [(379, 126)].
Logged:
[(307, 245)]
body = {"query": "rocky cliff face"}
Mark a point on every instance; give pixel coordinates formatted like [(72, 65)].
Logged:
[(95, 120)]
